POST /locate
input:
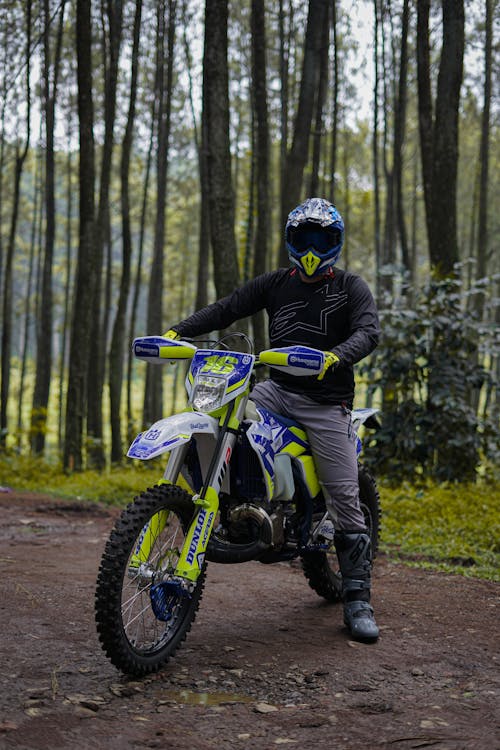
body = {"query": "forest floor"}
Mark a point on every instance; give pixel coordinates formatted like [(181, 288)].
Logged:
[(267, 662)]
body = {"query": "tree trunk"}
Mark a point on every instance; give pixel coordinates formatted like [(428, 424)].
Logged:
[(375, 152), (7, 280), (388, 248), (425, 116), (153, 395), (259, 84), (298, 155), (201, 150), (118, 337), (67, 285), (335, 113), (28, 304), (216, 111), (85, 273), (399, 138), (44, 347), (439, 139), (443, 246), (284, 97), (482, 232), (320, 105), (99, 331), (138, 273)]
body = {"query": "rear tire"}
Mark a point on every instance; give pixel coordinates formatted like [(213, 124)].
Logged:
[(131, 635), (321, 568)]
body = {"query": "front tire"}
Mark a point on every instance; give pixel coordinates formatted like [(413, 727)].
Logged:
[(131, 635), (321, 568)]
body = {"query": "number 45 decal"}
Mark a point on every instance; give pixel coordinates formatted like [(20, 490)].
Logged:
[(217, 363)]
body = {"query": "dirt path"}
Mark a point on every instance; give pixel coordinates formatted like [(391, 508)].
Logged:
[(267, 662)]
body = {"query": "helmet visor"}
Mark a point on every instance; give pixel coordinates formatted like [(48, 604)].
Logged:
[(322, 239)]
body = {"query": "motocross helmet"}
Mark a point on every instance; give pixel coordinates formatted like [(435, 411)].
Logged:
[(314, 235)]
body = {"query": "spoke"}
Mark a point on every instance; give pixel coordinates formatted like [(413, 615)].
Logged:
[(128, 604), (141, 626)]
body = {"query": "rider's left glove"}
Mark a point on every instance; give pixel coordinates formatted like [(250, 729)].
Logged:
[(331, 362), (171, 334)]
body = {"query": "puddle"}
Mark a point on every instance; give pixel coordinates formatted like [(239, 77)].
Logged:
[(190, 698)]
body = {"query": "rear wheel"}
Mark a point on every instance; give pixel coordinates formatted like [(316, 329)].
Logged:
[(140, 619), (321, 568)]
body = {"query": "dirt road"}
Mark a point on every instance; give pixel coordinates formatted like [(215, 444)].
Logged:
[(267, 662)]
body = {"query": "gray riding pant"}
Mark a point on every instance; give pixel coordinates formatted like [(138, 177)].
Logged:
[(333, 446)]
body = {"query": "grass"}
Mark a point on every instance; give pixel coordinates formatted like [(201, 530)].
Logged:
[(450, 527), (114, 486)]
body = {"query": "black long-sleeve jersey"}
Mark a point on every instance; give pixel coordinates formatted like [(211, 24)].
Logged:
[(337, 313)]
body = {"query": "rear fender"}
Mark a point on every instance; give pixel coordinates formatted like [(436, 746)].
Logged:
[(169, 433), (366, 417)]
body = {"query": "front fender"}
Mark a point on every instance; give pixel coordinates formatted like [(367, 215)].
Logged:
[(166, 434)]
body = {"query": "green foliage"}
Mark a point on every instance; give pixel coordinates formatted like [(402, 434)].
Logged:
[(455, 528), (430, 371), (115, 486)]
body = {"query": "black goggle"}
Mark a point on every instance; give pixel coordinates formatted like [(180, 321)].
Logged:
[(322, 240)]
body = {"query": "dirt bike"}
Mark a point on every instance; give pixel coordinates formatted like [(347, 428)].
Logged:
[(249, 492)]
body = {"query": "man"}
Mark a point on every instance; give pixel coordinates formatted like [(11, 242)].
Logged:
[(333, 310)]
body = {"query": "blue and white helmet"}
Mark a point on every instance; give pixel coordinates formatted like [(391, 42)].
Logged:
[(314, 236)]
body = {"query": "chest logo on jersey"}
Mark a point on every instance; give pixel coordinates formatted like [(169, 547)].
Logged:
[(306, 317)]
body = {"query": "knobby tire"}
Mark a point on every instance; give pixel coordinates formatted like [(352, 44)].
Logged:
[(122, 622)]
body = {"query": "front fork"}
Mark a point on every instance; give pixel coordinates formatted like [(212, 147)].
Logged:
[(192, 557)]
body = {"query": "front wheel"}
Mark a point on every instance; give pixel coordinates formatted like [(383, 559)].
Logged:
[(321, 568), (140, 624)]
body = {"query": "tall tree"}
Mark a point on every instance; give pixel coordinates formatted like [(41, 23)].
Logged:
[(399, 139), (484, 156), (284, 95), (111, 42), (67, 281), (45, 314), (117, 340), (395, 96), (375, 148), (85, 275), (201, 149), (216, 114), (153, 392), (320, 106), (139, 267), (259, 100), (335, 102), (20, 156), (439, 133), (298, 154)]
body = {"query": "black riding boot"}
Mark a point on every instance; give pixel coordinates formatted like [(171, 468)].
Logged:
[(354, 554)]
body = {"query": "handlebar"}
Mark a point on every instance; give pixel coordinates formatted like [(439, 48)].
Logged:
[(296, 360)]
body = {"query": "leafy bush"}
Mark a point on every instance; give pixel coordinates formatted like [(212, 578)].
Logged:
[(429, 370)]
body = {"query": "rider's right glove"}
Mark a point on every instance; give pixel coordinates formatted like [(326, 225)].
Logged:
[(331, 362), (171, 334)]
